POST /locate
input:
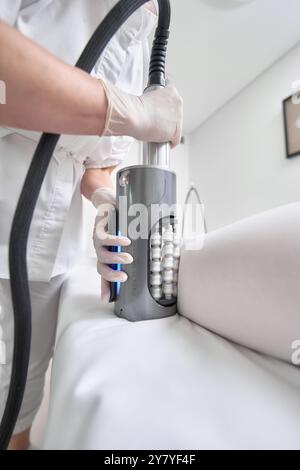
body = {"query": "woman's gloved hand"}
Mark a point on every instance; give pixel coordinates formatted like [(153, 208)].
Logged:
[(104, 200), (156, 116)]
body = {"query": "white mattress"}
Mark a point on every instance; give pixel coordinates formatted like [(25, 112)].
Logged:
[(164, 384)]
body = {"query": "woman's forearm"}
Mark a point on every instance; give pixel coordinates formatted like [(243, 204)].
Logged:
[(45, 94), (94, 179)]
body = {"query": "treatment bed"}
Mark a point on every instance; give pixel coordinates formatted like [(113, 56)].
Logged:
[(163, 384)]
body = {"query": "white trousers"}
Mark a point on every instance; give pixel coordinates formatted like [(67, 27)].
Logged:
[(244, 283), (44, 302)]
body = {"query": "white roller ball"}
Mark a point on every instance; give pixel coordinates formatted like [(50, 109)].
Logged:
[(155, 253), (157, 293), (168, 250), (156, 239), (176, 264), (155, 266), (168, 262), (168, 290), (168, 234), (156, 280), (168, 275)]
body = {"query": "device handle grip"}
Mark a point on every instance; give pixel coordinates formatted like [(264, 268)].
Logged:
[(156, 154), (114, 230), (157, 69)]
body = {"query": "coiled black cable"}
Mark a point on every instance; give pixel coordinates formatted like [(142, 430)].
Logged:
[(25, 208), (158, 57)]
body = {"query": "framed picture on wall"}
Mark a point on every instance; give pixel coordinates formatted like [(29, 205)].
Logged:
[(291, 111)]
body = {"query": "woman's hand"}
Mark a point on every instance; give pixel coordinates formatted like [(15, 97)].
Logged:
[(156, 116), (104, 200), (66, 100)]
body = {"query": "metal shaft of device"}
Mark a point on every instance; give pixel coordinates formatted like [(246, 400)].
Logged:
[(155, 154)]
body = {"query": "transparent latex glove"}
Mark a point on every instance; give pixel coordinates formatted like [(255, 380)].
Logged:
[(156, 116), (105, 201)]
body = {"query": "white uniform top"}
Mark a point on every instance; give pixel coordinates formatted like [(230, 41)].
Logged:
[(64, 27)]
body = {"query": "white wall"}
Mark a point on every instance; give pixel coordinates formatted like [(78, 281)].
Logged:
[(179, 164), (238, 159)]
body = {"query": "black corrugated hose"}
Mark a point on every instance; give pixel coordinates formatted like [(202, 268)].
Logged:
[(30, 193)]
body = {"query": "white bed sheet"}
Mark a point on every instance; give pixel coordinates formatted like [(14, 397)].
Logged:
[(164, 384)]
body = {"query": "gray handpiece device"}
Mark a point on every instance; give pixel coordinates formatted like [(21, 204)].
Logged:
[(151, 289)]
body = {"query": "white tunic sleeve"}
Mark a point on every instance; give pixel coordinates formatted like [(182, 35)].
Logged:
[(124, 63), (9, 10)]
